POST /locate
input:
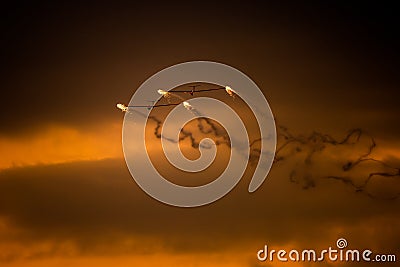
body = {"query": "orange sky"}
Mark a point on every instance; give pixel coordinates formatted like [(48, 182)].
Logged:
[(59, 144), (66, 195)]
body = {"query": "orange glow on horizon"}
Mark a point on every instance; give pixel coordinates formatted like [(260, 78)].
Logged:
[(60, 144)]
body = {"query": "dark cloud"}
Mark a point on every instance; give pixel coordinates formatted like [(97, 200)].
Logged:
[(97, 204), (70, 63)]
